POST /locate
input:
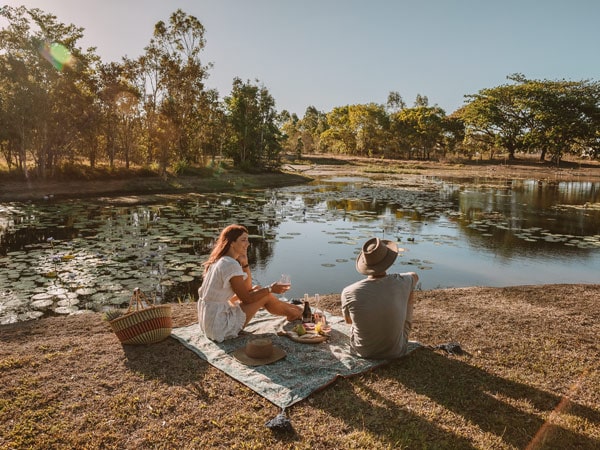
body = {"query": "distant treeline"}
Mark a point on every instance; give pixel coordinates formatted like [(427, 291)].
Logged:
[(61, 105)]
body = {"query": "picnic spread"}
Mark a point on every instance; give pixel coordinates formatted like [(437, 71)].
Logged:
[(305, 368)]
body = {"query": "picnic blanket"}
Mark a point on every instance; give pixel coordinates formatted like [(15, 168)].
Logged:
[(306, 368)]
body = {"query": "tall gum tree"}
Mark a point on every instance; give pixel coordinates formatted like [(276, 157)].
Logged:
[(255, 139), (173, 75)]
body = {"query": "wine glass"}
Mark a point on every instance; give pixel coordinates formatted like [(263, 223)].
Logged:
[(319, 313), (286, 281)]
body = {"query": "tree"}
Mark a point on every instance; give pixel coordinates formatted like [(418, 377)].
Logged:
[(303, 135), (370, 125), (421, 101), (564, 116), (214, 132), (255, 140), (357, 130), (395, 102), (289, 124), (339, 136), (453, 134), (46, 86), (312, 126), (494, 117), (535, 115), (422, 128), (109, 93), (171, 76)]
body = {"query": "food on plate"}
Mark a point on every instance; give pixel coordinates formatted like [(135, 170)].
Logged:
[(299, 329)]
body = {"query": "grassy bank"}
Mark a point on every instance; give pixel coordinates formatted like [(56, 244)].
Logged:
[(141, 183), (530, 379), (102, 182)]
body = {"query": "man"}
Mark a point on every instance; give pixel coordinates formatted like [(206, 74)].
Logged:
[(379, 307)]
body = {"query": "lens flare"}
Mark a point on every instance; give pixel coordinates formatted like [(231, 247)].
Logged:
[(57, 54)]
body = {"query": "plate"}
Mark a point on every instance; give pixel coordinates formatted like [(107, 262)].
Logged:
[(310, 337)]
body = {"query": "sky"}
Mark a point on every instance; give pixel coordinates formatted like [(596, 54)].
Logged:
[(329, 53)]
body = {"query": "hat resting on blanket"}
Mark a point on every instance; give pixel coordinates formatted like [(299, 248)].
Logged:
[(258, 352), (376, 256)]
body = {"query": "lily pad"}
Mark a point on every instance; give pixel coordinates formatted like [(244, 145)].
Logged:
[(41, 305), (65, 310)]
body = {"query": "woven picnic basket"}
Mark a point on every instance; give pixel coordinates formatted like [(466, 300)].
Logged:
[(144, 322)]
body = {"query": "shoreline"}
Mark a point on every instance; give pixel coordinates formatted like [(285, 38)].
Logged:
[(140, 189), (149, 188)]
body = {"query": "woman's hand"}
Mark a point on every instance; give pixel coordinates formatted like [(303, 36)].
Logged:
[(277, 288), (243, 260)]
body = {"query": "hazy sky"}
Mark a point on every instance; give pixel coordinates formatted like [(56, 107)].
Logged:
[(329, 53)]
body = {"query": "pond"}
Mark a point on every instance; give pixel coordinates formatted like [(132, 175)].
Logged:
[(67, 257)]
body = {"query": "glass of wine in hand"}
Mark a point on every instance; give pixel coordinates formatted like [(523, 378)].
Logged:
[(286, 281)]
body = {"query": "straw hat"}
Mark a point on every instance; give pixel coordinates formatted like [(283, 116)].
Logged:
[(376, 256), (258, 352)]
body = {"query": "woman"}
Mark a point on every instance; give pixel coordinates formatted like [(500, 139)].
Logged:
[(227, 300)]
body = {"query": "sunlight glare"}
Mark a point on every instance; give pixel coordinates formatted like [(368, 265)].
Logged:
[(57, 54)]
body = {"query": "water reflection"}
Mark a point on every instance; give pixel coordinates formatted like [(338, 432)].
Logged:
[(65, 257), (457, 233)]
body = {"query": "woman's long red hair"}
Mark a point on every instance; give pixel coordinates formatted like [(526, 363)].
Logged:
[(227, 236)]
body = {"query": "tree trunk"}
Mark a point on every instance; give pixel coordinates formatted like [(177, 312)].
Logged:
[(511, 153)]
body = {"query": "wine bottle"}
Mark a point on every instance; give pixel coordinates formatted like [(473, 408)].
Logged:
[(307, 313)]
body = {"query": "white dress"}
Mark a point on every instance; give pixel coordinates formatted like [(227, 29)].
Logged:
[(218, 319)]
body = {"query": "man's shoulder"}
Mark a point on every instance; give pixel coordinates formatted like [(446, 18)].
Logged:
[(354, 286), (349, 291)]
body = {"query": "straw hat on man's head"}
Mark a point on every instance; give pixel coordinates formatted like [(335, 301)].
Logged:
[(377, 256)]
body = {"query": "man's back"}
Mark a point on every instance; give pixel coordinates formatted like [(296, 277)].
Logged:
[(378, 309)]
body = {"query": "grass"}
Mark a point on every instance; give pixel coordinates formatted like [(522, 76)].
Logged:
[(395, 169), (134, 183), (530, 379)]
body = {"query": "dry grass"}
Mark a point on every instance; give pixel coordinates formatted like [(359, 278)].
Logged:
[(531, 379), (135, 187)]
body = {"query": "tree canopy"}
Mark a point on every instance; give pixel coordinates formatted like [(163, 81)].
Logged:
[(549, 117), (60, 104)]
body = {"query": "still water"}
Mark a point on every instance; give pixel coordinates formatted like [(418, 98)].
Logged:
[(453, 234), (71, 256)]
